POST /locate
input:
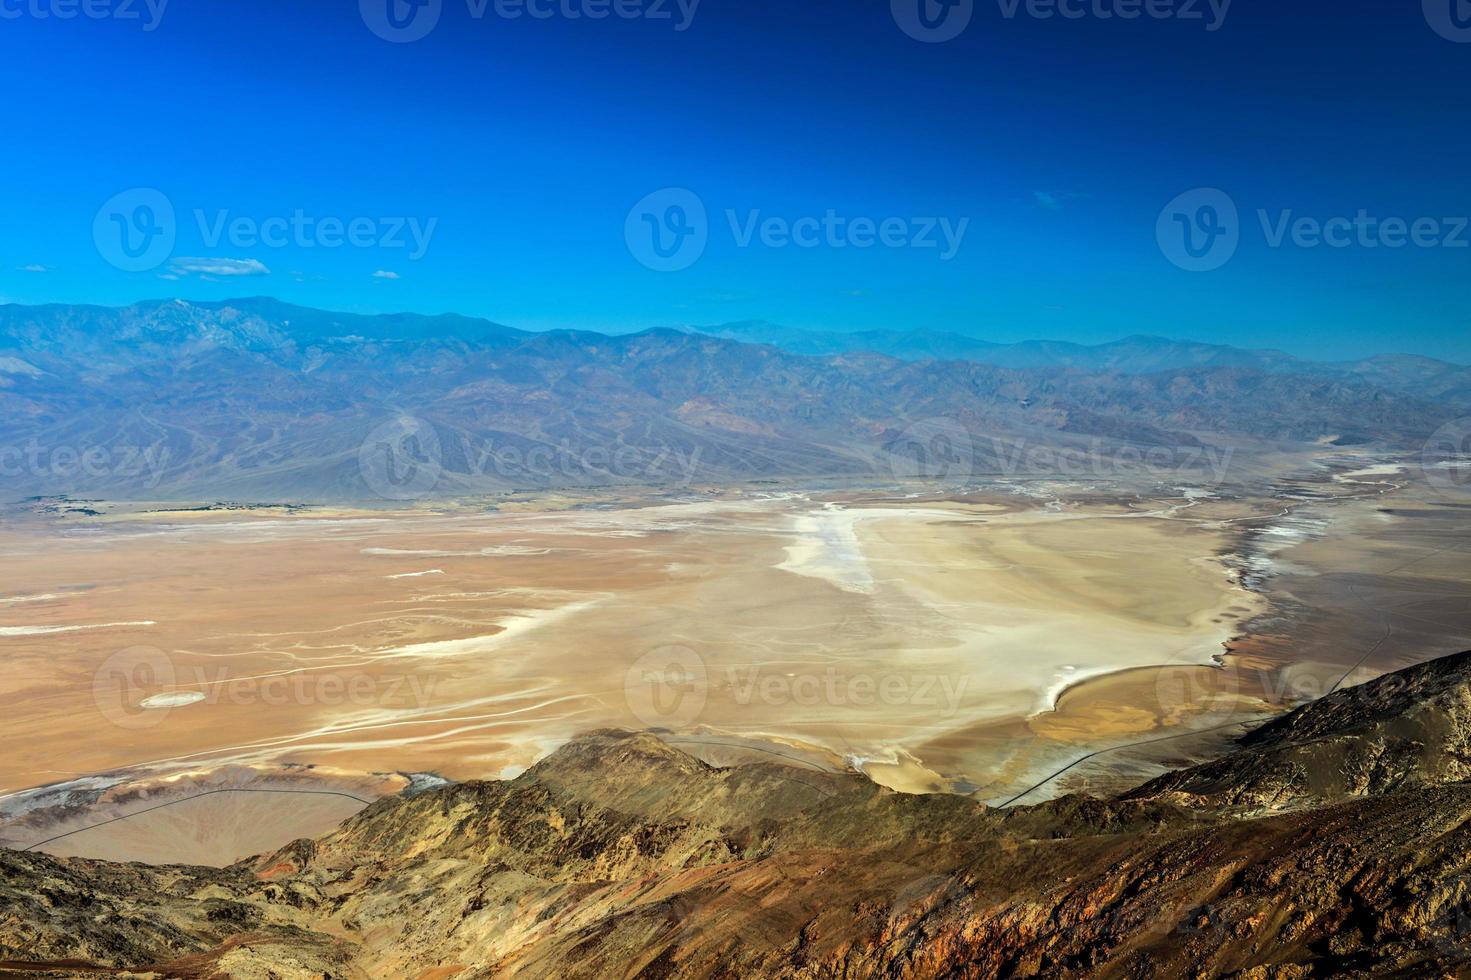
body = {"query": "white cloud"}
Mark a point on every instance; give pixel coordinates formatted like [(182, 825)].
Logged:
[(383, 274), (35, 267), (14, 365), (218, 267), (1055, 200)]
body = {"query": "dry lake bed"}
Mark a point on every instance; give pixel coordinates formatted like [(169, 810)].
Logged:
[(976, 640)]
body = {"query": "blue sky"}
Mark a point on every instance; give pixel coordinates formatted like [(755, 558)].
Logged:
[(520, 146)]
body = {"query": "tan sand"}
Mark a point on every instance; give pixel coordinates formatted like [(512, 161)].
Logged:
[(471, 644), (212, 816)]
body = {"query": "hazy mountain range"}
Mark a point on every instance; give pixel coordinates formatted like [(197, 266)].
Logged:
[(257, 398), (1410, 374)]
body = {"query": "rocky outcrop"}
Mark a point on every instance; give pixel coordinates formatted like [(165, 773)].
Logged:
[(1333, 842), (1407, 729)]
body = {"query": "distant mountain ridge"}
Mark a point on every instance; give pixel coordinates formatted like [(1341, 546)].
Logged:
[(257, 398), (1408, 374)]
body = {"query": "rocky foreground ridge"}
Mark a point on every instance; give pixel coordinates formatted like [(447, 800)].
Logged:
[(1333, 842)]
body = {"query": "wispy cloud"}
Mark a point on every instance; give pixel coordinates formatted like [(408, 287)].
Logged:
[(210, 268), (384, 274), (1055, 200), (35, 267)]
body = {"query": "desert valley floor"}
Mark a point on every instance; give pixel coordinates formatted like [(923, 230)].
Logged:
[(1012, 640)]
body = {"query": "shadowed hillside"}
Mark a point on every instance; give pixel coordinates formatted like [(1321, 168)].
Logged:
[(619, 855)]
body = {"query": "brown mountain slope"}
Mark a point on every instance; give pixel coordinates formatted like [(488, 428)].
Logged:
[(1403, 730), (621, 856)]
